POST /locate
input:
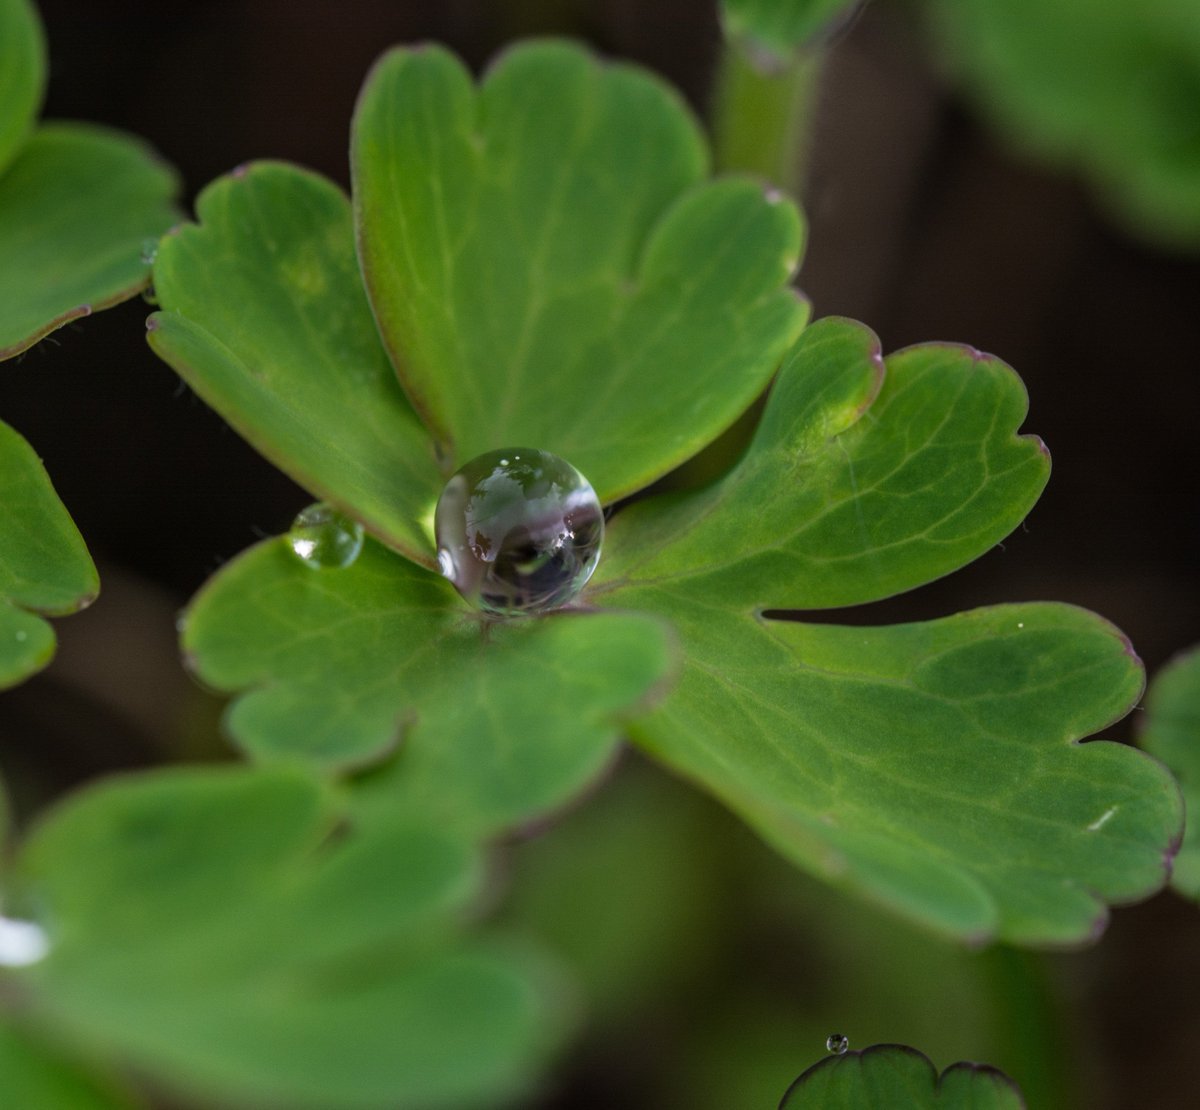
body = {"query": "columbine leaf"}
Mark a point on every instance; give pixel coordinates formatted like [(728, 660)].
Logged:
[(857, 485), (1172, 733), (77, 208), (44, 566), (1103, 85), (549, 268), (265, 316), (886, 1076), (208, 929), (492, 723), (33, 1075), (22, 74), (778, 28), (929, 765)]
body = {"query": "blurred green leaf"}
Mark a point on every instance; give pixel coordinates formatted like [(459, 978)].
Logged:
[(214, 929), (1171, 731), (490, 723), (44, 566), (886, 1077), (265, 316), (80, 209), (35, 1077), (22, 74), (776, 29), (1104, 86), (549, 267)]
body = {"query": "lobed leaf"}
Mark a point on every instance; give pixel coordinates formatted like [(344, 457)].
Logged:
[(1171, 732), (264, 315), (549, 267), (78, 207), (930, 766), (858, 484), (44, 566), (490, 723), (777, 29), (886, 1076), (207, 928), (22, 74)]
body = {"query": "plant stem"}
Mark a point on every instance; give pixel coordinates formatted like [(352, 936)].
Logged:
[(1032, 1045), (763, 113)]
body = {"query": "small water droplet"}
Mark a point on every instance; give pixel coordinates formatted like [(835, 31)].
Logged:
[(149, 251), (22, 635), (21, 942), (837, 1043), (518, 531), (322, 537), (150, 297)]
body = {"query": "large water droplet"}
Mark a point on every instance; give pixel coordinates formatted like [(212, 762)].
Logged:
[(21, 942), (322, 537), (837, 1043), (518, 531)]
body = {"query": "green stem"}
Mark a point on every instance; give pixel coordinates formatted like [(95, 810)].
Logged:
[(1032, 1045), (763, 113)]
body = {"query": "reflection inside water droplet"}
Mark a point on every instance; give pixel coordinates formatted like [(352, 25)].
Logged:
[(518, 531), (21, 942), (321, 537), (837, 1043), (149, 251)]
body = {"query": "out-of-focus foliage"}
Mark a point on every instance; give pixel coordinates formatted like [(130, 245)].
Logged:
[(1108, 87)]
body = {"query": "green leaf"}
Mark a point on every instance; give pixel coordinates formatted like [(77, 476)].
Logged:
[(888, 1076), (78, 207), (930, 766), (857, 485), (491, 723), (1103, 86), (35, 1076), (549, 267), (22, 74), (213, 929), (265, 317), (777, 29), (1171, 732), (44, 566)]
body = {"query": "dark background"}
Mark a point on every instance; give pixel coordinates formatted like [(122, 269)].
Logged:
[(923, 225)]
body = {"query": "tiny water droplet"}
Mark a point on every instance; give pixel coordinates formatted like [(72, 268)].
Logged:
[(22, 635), (322, 537), (518, 531), (21, 942), (149, 251), (837, 1043)]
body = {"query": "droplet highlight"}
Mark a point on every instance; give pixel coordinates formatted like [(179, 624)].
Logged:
[(323, 538), (518, 531), (837, 1043), (22, 943), (149, 251)]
